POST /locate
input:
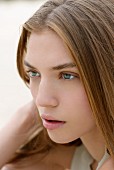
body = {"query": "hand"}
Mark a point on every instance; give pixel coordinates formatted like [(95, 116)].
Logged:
[(17, 131), (29, 121), (26, 118)]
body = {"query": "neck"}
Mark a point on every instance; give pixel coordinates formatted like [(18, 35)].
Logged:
[(95, 144)]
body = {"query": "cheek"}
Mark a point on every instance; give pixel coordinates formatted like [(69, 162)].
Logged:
[(76, 100), (34, 89), (83, 101)]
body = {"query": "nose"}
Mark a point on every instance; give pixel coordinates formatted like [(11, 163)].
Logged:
[(46, 95)]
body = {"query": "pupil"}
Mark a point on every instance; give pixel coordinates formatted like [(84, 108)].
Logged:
[(67, 76), (33, 74)]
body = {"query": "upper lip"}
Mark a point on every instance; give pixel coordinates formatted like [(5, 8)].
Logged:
[(48, 117)]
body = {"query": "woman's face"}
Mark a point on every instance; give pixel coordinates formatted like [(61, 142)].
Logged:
[(57, 89)]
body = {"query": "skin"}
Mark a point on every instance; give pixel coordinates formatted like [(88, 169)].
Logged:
[(22, 119), (17, 131), (63, 99), (109, 164), (59, 93)]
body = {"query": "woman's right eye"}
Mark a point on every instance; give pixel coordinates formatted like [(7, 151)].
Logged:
[(33, 74)]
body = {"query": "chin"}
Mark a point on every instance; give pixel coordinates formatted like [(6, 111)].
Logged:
[(61, 139)]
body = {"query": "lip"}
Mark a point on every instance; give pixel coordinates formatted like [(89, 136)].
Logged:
[(51, 123)]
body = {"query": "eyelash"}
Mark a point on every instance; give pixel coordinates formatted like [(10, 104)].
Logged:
[(62, 74)]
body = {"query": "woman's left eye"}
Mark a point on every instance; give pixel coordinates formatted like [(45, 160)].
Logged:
[(67, 76)]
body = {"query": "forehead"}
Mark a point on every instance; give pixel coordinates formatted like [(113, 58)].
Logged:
[(47, 47)]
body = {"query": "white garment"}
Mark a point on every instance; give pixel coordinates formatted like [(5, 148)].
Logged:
[(82, 160), (105, 157)]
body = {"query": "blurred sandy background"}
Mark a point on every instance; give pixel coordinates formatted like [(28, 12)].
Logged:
[(13, 92)]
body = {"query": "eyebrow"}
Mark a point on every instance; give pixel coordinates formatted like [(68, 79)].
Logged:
[(28, 65), (62, 66), (58, 67)]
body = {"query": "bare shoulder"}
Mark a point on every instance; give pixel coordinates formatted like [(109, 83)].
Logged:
[(38, 166), (8, 167), (109, 164)]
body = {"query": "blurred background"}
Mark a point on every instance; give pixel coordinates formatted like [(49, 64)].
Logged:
[(13, 92)]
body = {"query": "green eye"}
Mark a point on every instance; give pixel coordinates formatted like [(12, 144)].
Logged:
[(33, 74), (68, 76)]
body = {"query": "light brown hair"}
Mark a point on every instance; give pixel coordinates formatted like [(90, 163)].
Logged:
[(87, 29)]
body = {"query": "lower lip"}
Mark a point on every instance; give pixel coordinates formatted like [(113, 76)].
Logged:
[(52, 125)]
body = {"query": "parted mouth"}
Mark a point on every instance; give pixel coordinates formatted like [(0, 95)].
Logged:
[(51, 123), (50, 119)]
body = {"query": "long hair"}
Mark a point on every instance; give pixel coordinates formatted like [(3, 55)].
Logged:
[(87, 29)]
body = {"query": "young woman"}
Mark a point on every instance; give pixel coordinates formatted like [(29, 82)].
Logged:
[(66, 58)]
